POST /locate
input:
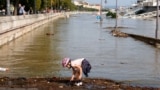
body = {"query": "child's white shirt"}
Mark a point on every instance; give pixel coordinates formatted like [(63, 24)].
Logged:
[(77, 62)]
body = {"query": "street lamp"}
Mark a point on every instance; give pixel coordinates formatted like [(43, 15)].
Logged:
[(51, 5), (101, 11), (8, 7), (59, 4), (157, 21), (116, 15), (157, 24), (34, 6)]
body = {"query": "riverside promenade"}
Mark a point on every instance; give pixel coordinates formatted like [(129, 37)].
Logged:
[(12, 27), (35, 55)]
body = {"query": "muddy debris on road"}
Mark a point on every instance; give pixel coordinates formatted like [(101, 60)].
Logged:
[(58, 83)]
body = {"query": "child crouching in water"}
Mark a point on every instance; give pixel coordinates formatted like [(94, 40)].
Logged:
[(78, 66)]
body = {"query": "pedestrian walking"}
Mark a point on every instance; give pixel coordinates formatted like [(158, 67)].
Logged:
[(21, 10)]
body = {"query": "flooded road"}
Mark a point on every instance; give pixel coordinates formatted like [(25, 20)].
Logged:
[(37, 54)]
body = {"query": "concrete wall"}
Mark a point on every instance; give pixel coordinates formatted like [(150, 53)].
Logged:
[(12, 27), (149, 40)]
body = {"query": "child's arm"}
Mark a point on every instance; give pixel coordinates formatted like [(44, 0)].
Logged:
[(73, 74), (72, 78), (75, 70), (80, 72)]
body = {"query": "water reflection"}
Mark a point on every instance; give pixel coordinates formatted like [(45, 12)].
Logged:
[(31, 55), (122, 59), (157, 64)]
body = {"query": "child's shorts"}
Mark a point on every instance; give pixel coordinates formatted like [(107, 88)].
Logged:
[(86, 67)]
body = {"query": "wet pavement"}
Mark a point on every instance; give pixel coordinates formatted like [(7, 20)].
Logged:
[(55, 83), (39, 53)]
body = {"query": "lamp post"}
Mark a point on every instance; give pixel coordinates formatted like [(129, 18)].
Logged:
[(116, 15), (51, 5), (157, 21), (101, 11), (34, 6), (8, 7), (59, 4), (157, 24)]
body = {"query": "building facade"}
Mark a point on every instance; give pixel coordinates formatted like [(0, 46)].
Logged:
[(86, 4), (147, 2)]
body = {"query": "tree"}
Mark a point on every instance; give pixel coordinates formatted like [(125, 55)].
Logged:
[(67, 4), (38, 4), (15, 3), (43, 4), (2, 4)]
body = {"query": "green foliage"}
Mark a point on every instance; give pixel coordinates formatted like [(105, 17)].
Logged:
[(111, 14), (67, 4), (41, 4), (38, 4), (2, 4)]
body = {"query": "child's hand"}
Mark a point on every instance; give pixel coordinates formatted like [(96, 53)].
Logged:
[(72, 78)]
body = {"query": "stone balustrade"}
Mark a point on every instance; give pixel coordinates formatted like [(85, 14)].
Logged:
[(12, 27)]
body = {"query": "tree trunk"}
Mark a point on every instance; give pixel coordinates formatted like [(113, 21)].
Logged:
[(16, 7)]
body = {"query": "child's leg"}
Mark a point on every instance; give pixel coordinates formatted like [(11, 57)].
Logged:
[(78, 81), (76, 75)]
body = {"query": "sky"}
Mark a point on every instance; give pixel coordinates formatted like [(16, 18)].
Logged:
[(113, 2)]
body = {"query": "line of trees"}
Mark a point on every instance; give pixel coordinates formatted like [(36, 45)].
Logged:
[(39, 5)]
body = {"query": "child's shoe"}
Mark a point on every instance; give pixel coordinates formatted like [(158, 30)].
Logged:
[(79, 83)]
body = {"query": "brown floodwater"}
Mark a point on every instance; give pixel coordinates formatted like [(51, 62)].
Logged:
[(39, 52)]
